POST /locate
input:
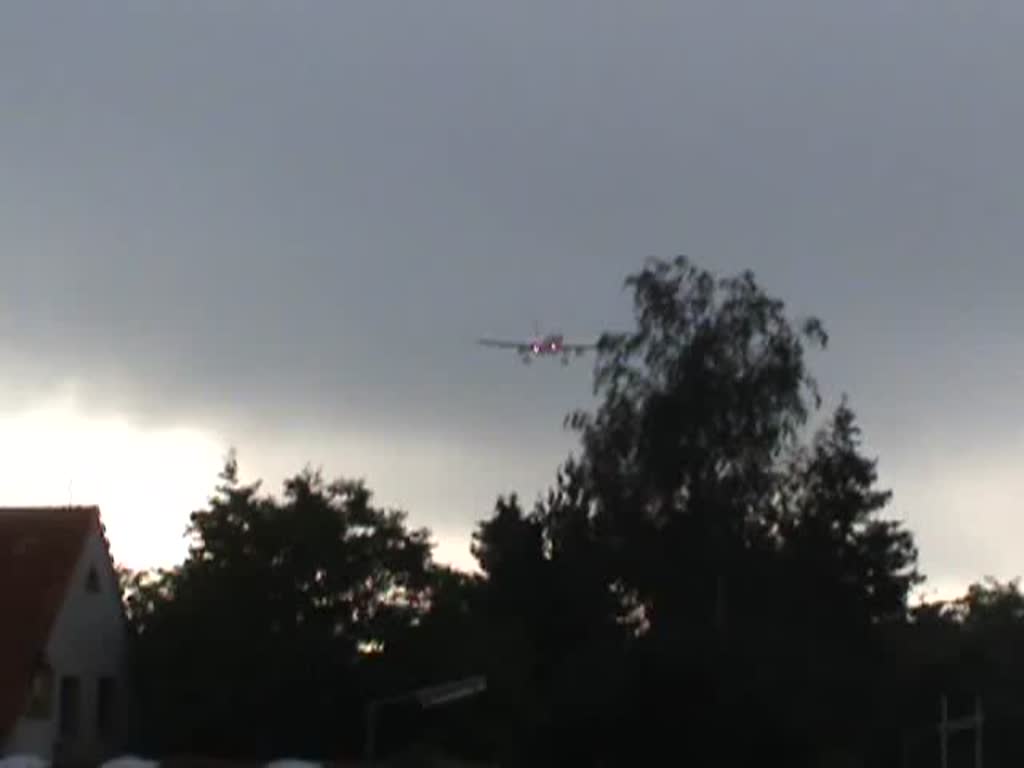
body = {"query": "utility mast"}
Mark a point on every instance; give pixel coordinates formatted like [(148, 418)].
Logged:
[(970, 722)]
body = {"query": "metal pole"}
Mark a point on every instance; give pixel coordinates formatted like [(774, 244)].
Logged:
[(943, 756), (978, 751), (371, 727)]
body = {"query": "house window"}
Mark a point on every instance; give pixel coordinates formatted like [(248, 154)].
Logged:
[(92, 580), (70, 704), (40, 696), (105, 708)]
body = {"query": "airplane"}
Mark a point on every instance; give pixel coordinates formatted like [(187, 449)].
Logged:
[(547, 345)]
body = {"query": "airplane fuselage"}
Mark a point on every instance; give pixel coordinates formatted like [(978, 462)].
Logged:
[(552, 344), (547, 345)]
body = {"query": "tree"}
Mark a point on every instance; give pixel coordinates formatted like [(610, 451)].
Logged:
[(698, 402), (587, 626), (555, 635), (988, 663), (709, 565), (257, 644), (847, 571), (867, 563), (510, 550), (713, 512), (961, 649)]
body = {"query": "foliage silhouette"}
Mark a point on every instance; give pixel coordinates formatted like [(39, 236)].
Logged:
[(714, 571), (254, 646)]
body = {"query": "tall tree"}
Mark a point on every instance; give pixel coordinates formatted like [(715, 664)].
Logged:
[(711, 505), (509, 548), (255, 645), (846, 572), (697, 404), (556, 626)]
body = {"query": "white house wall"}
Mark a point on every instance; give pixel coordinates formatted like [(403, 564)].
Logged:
[(88, 640)]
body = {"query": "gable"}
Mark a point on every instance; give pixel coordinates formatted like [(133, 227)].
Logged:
[(39, 549), (92, 615)]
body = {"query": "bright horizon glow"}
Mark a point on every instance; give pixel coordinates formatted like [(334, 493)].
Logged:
[(146, 482)]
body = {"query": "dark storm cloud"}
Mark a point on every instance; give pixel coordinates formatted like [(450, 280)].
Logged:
[(293, 217)]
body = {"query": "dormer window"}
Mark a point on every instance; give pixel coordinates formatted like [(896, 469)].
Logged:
[(92, 580)]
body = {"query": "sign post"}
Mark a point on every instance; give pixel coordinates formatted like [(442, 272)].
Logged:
[(970, 722), (428, 698)]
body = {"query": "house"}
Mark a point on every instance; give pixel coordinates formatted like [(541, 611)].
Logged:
[(64, 683)]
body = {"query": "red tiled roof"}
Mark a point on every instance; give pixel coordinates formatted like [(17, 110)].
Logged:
[(39, 547)]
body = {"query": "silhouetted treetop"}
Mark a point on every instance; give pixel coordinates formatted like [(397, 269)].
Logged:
[(278, 602)]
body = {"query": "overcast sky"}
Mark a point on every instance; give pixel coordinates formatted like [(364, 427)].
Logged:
[(281, 226)]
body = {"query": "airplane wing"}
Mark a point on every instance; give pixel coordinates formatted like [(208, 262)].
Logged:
[(578, 347), (503, 344)]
